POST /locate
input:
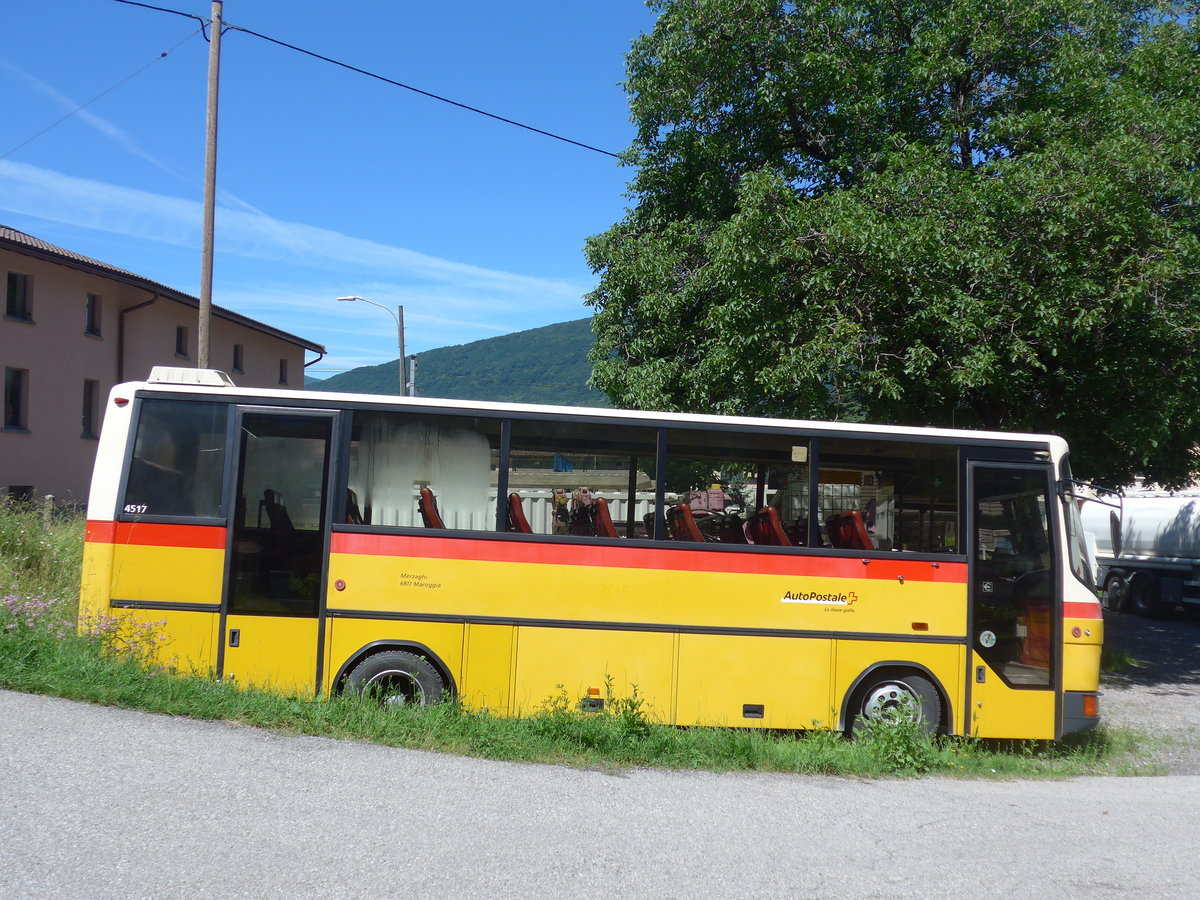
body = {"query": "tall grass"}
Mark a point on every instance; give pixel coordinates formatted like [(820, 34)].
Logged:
[(42, 651), (41, 551)]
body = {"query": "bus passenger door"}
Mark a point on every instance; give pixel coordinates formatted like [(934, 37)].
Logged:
[(1014, 646), (278, 550)]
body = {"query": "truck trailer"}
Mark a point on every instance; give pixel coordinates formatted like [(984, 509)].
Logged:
[(1150, 562)]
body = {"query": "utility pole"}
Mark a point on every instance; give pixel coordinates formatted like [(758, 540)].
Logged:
[(398, 315), (400, 344), (210, 185)]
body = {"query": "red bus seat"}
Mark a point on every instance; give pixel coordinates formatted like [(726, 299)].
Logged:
[(427, 506), (766, 529), (848, 531), (516, 515), (604, 522), (729, 528), (797, 532), (682, 524)]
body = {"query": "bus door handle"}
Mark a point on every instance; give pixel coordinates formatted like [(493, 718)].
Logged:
[(235, 637), (980, 674)]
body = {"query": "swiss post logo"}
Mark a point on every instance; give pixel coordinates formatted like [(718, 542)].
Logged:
[(821, 598)]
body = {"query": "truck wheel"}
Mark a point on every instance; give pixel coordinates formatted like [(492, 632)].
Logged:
[(1144, 596), (1116, 593)]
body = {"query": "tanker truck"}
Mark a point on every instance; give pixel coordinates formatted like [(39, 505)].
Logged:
[(1149, 554)]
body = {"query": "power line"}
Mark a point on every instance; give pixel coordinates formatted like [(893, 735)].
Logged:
[(84, 106), (386, 80), (416, 90), (175, 12)]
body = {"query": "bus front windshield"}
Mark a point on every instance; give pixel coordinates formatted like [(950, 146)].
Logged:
[(1077, 547)]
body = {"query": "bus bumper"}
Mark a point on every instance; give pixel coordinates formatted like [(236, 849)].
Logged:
[(1081, 711)]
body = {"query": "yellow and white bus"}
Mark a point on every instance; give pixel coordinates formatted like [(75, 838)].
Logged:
[(737, 571)]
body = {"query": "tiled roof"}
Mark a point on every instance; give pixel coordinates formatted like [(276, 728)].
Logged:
[(26, 243)]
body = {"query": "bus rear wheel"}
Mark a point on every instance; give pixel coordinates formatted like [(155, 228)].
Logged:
[(396, 678), (905, 695)]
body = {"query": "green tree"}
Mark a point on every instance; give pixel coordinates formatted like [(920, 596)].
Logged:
[(954, 212)]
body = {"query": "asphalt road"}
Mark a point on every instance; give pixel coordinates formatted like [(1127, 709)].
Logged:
[(100, 802)]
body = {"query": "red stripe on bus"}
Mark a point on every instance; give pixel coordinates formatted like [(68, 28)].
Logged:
[(98, 532), (155, 534), (609, 555)]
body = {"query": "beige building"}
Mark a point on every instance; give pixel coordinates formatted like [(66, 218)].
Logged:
[(73, 327)]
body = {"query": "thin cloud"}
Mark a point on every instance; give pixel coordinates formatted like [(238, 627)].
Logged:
[(331, 318), (445, 302), (46, 194), (258, 236), (265, 296), (101, 125)]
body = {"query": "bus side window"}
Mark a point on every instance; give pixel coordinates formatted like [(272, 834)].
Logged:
[(155, 487), (741, 488), (896, 496), (581, 480), (401, 460)]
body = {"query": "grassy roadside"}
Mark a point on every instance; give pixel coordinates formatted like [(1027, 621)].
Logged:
[(42, 652)]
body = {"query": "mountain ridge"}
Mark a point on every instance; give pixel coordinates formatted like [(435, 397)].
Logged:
[(541, 365)]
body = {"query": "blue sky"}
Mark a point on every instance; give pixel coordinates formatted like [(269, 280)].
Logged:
[(330, 183)]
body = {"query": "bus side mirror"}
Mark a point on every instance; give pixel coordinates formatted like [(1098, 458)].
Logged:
[(1114, 529)]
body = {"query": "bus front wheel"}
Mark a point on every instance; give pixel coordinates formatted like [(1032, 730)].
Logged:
[(905, 695), (396, 678)]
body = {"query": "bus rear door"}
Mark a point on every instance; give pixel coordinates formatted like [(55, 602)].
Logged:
[(271, 621)]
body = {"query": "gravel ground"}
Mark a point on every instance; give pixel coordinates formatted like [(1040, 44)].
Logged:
[(1160, 695)]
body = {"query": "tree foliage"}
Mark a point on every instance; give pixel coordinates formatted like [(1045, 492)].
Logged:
[(951, 212)]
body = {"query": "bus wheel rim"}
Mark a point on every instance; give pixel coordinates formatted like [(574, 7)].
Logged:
[(395, 687), (884, 700)]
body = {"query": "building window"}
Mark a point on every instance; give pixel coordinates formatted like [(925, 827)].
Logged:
[(91, 393), (91, 323), (18, 305), (283, 371), (181, 342), (238, 359), (16, 394)]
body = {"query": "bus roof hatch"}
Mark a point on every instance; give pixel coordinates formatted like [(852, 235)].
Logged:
[(180, 375)]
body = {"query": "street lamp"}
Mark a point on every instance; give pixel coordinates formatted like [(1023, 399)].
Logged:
[(398, 315)]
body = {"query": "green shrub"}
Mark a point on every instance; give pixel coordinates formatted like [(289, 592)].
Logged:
[(898, 742)]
